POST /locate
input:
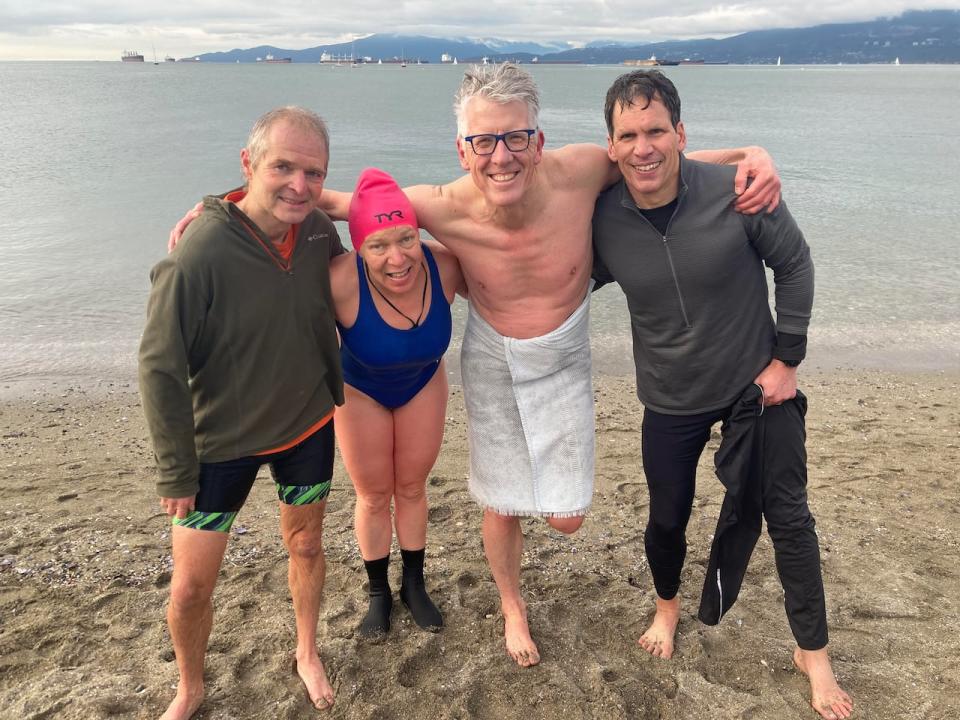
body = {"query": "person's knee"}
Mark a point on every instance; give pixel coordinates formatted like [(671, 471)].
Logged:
[(566, 525), (411, 492), (374, 502), (189, 594), (305, 544), (785, 521)]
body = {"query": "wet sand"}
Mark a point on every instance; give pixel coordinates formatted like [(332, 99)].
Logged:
[(85, 572)]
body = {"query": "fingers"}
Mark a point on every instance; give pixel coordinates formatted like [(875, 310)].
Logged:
[(181, 226), (177, 508)]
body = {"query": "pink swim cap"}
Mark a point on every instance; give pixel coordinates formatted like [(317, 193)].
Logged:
[(378, 203)]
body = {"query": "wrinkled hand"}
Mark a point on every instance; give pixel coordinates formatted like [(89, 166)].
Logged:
[(779, 383), (764, 191), (178, 507), (181, 225)]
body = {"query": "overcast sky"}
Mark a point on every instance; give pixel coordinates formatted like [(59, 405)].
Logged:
[(99, 30)]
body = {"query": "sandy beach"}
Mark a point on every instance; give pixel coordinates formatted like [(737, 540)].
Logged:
[(85, 571)]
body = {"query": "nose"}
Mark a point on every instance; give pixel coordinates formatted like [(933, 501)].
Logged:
[(640, 146), (298, 182), (395, 255), (501, 153)]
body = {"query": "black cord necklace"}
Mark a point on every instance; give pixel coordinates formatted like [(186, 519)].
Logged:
[(423, 297)]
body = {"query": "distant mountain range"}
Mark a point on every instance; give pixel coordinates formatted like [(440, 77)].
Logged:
[(931, 36)]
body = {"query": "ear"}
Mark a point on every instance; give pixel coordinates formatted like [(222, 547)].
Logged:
[(245, 164), (611, 151), (541, 141), (682, 139), (462, 153)]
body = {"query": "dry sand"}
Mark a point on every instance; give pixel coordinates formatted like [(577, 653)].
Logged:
[(85, 571)]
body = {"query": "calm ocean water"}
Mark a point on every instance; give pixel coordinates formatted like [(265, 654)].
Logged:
[(102, 158)]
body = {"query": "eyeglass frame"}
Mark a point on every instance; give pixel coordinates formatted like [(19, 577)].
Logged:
[(500, 137)]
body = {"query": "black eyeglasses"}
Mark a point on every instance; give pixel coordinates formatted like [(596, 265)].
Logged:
[(515, 140)]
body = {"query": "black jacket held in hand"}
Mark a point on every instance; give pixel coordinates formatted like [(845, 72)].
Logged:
[(747, 460)]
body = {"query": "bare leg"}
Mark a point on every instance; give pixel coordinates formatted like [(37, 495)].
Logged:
[(826, 696), (197, 555), (658, 639), (302, 528), (503, 545), (417, 435), (365, 436)]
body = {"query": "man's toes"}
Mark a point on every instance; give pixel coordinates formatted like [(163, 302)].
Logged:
[(825, 711)]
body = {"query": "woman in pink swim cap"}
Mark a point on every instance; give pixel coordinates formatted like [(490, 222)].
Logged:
[(392, 299)]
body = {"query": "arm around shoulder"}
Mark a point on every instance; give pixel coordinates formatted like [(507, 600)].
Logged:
[(757, 183)]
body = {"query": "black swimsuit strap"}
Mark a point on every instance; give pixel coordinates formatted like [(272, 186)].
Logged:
[(423, 297)]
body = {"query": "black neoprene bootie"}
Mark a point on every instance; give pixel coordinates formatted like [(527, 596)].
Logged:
[(413, 592), (377, 620)]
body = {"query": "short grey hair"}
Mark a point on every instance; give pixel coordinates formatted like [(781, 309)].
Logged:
[(299, 116), (499, 83)]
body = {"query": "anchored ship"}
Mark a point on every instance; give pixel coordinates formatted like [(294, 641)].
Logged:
[(131, 56)]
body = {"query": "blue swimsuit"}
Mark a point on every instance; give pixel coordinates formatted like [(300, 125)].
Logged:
[(388, 364)]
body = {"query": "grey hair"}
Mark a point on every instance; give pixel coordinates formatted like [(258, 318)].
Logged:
[(299, 116), (499, 83)]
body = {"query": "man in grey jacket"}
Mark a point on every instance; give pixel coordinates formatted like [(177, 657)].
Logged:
[(692, 269)]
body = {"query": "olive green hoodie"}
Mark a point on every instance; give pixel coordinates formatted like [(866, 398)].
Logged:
[(239, 355)]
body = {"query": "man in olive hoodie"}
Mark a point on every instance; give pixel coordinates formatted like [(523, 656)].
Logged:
[(239, 367)]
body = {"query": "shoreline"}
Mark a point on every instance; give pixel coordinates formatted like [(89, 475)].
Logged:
[(613, 361), (85, 572)]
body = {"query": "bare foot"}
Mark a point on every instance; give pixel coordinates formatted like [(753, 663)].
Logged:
[(516, 633), (314, 677), (658, 639), (826, 696), (184, 705)]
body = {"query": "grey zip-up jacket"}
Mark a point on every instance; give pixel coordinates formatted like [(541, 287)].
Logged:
[(698, 299)]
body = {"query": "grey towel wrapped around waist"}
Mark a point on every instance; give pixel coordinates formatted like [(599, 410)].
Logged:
[(530, 417)]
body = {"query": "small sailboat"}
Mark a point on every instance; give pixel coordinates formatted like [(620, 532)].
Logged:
[(778, 61), (896, 60)]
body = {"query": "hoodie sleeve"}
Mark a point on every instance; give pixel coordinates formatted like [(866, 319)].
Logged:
[(174, 317)]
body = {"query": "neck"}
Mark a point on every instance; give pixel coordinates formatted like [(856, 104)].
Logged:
[(652, 201), (519, 214), (267, 224)]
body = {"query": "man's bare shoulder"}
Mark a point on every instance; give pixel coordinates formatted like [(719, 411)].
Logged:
[(579, 166), (439, 203)]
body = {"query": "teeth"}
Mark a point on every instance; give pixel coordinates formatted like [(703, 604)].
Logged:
[(503, 177), (648, 167)]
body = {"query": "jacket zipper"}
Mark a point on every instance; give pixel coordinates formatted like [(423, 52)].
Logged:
[(666, 248)]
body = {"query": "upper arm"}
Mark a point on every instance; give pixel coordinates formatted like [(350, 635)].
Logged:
[(449, 267), (428, 202), (345, 287)]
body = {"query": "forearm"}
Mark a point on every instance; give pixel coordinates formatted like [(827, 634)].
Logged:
[(335, 204), (726, 156)]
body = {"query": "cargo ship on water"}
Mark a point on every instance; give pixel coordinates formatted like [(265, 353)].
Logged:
[(131, 56)]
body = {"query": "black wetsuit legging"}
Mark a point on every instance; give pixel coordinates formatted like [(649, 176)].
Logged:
[(672, 445)]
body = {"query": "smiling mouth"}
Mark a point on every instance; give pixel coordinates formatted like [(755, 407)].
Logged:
[(503, 177), (648, 167), (295, 203), (399, 275)]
